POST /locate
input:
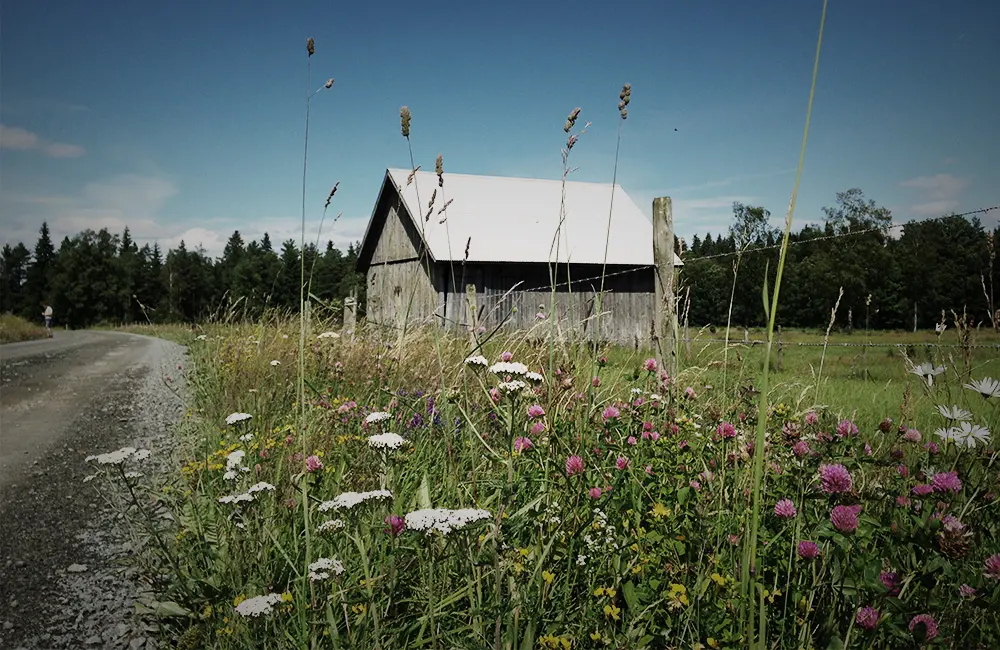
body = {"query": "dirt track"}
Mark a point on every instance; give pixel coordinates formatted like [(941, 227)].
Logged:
[(62, 399)]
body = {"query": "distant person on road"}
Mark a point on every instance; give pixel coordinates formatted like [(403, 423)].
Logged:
[(48, 319)]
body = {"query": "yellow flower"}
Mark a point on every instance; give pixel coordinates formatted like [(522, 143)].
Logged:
[(660, 510), (612, 611), (712, 643), (595, 636), (286, 597), (718, 579), (548, 577), (599, 591), (610, 591), (524, 552), (239, 599)]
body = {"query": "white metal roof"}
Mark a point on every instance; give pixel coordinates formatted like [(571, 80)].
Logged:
[(515, 219)]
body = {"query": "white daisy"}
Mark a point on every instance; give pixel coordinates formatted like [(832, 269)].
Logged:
[(386, 441), (348, 500), (444, 520), (928, 370), (252, 607), (233, 418), (987, 387), (970, 435), (377, 416), (478, 360), (954, 413)]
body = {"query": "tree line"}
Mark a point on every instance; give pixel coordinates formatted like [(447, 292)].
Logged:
[(892, 278), (101, 277)]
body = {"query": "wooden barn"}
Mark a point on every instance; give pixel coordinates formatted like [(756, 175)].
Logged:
[(497, 235)]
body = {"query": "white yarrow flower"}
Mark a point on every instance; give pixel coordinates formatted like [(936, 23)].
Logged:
[(246, 437), (200, 337), (509, 368), (260, 487), (478, 360), (954, 413), (348, 500), (113, 457), (252, 607), (141, 454), (510, 387), (133, 474), (386, 441), (235, 459), (328, 335), (534, 376), (237, 498), (377, 416), (330, 526), (987, 387), (321, 568), (233, 418), (444, 520), (275, 362)]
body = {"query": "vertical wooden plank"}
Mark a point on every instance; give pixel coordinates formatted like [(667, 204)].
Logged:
[(781, 350), (663, 259), (350, 313)]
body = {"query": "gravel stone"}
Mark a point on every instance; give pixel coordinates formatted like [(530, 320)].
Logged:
[(64, 555)]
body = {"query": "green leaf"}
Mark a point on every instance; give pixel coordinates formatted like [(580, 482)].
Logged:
[(682, 495), (628, 590), (644, 641), (163, 609), (424, 493), (836, 643), (767, 299)]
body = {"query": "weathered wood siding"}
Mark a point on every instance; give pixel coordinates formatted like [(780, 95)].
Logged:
[(399, 287), (518, 292)]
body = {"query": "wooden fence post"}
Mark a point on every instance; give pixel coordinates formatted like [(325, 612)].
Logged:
[(470, 303), (664, 318), (780, 349), (687, 330), (350, 313)]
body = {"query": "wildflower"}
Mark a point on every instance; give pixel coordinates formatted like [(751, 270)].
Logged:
[(612, 611), (801, 449), (922, 489), (386, 441), (928, 371), (535, 377), (946, 482), (120, 456), (660, 510), (835, 478), (610, 413), (320, 569), (275, 362), (495, 395), (885, 426), (967, 435), (677, 596), (867, 618), (348, 500), (785, 509), (811, 418), (650, 365), (726, 430), (622, 463), (522, 444), (506, 356), (845, 518), (246, 437), (847, 428), (253, 607), (991, 567), (377, 416), (444, 520), (808, 550), (511, 387), (689, 393), (574, 465), (987, 387), (330, 526), (313, 463), (328, 335), (911, 435), (548, 577), (509, 368), (477, 360), (868, 448), (595, 493), (954, 413), (965, 591), (535, 411), (928, 624), (538, 428), (396, 523), (233, 418)]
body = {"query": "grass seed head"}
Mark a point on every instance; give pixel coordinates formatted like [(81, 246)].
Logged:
[(439, 169), (404, 120), (329, 197), (571, 120), (625, 96), (310, 46), (329, 83)]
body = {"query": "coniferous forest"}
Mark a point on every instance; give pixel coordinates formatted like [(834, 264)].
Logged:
[(892, 277)]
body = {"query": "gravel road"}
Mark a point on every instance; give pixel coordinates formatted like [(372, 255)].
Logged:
[(63, 579)]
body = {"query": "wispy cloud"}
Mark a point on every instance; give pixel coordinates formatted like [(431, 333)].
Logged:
[(19, 139), (939, 194), (726, 182)]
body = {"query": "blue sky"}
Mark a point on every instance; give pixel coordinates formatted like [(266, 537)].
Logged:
[(185, 119)]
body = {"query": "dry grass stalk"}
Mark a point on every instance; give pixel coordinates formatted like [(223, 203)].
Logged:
[(330, 195), (404, 120), (310, 46), (439, 169)]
